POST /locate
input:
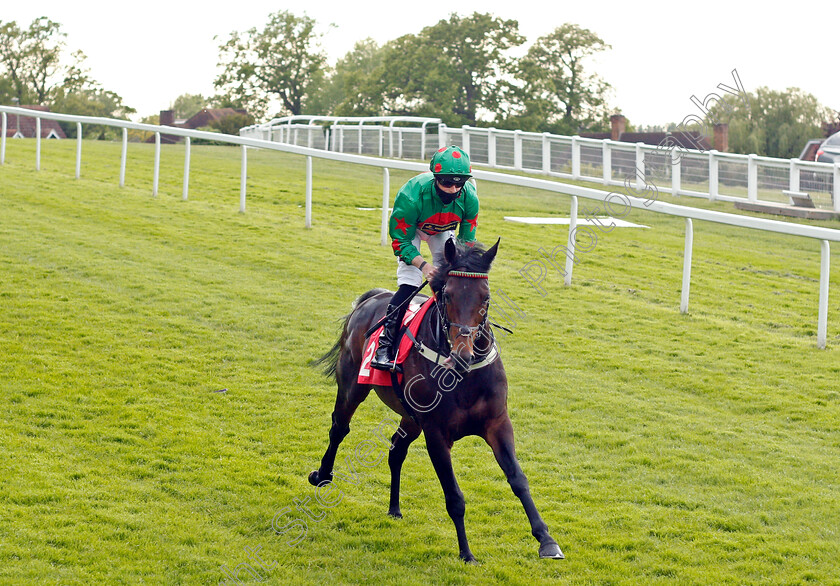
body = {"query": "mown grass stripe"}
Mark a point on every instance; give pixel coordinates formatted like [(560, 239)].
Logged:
[(661, 448)]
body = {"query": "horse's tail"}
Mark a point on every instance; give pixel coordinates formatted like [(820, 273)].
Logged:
[(329, 361)]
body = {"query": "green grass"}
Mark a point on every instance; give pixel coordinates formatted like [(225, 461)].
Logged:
[(661, 448)]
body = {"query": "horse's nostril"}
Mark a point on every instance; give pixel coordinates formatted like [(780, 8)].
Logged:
[(460, 361)]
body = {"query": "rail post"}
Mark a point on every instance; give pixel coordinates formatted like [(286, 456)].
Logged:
[(186, 189), (243, 178), (606, 161), (822, 317), (752, 178), (570, 245), (686, 279), (78, 149), (308, 219), (123, 155), (386, 200), (713, 175), (3, 126), (156, 176), (37, 143)]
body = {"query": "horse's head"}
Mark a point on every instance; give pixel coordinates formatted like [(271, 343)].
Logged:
[(463, 292)]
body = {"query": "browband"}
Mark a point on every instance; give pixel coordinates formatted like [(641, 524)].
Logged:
[(466, 274)]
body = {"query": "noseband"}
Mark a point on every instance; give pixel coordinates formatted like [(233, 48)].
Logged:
[(463, 330)]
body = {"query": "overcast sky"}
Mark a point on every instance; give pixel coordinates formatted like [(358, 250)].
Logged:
[(662, 52)]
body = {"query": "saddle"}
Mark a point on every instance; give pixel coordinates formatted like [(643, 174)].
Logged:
[(408, 341), (411, 323)]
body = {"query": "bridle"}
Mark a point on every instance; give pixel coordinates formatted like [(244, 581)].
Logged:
[(445, 324)]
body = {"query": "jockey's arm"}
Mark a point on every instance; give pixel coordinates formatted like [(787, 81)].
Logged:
[(425, 267)]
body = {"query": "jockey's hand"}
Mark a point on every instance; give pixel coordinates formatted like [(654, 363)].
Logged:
[(428, 271)]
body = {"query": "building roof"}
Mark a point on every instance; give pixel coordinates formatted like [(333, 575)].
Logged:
[(198, 120), (688, 140), (208, 115), (25, 125)]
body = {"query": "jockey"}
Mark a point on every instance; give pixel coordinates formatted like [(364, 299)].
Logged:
[(428, 207)]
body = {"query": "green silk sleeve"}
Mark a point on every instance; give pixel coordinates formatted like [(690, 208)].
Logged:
[(469, 222), (402, 227)]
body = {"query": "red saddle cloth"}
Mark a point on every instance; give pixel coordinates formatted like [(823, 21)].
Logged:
[(412, 320)]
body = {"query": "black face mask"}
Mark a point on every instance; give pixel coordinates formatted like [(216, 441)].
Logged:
[(446, 198)]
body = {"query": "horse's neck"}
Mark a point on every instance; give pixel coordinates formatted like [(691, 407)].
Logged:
[(431, 333)]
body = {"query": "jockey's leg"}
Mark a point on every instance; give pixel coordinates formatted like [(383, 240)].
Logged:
[(386, 351), (436, 245), (408, 279)]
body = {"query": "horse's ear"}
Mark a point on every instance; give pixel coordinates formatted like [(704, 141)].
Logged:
[(491, 253), (450, 252)]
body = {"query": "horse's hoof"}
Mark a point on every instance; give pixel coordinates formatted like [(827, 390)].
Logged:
[(468, 558), (313, 478), (551, 551), (395, 514)]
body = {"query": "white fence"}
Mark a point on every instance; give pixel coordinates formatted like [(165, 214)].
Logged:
[(707, 174), (402, 137), (824, 235)]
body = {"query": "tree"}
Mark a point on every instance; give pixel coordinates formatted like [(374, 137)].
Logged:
[(281, 63), (232, 123), (91, 101), (33, 73), (466, 63), (44, 45), (776, 123), (454, 69), (80, 94), (187, 105), (831, 124), (554, 86), (344, 92), (396, 86), (7, 90), (143, 135), (12, 59), (31, 58)]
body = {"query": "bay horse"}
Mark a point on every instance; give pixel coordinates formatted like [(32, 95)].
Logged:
[(457, 330)]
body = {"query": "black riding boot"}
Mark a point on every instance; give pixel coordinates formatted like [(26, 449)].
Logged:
[(386, 352)]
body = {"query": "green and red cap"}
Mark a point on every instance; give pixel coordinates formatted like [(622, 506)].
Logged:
[(451, 163)]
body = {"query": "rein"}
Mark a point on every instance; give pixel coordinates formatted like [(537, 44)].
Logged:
[(385, 317), (445, 324), (471, 275)]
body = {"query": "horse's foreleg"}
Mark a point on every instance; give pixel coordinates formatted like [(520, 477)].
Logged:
[(500, 438), (440, 454), (408, 432), (348, 399)]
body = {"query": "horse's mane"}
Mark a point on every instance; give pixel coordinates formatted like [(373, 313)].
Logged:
[(467, 258)]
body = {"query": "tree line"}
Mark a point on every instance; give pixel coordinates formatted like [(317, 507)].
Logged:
[(34, 70), (462, 69)]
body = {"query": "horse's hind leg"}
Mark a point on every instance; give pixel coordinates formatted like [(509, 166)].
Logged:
[(407, 433), (350, 396), (500, 438)]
